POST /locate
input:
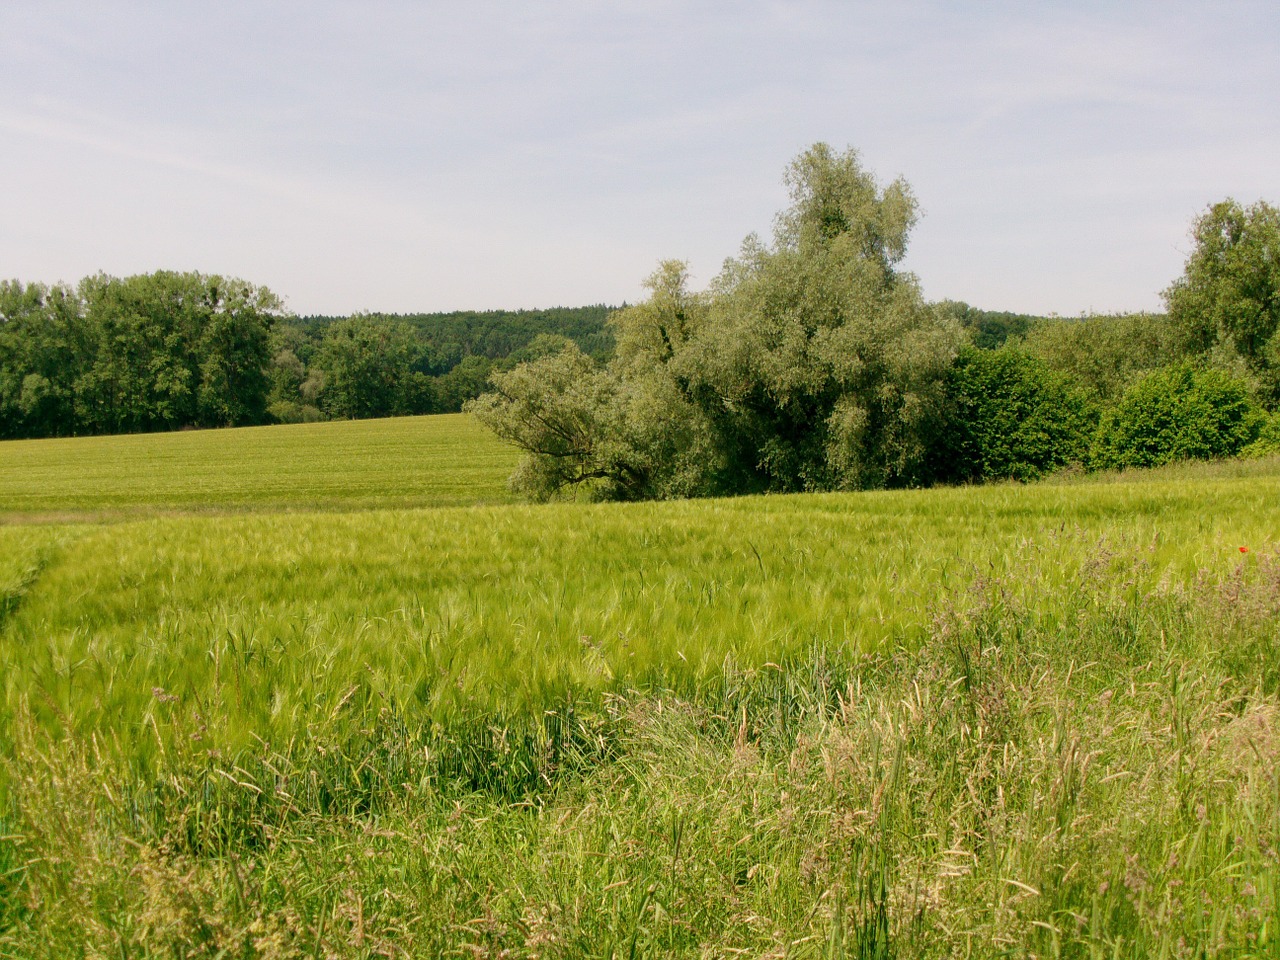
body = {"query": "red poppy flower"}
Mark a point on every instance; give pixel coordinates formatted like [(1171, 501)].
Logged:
[(1244, 549)]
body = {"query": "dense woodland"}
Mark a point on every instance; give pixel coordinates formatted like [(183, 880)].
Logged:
[(810, 363), (167, 351)]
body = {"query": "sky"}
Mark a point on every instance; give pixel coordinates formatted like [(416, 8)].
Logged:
[(424, 156)]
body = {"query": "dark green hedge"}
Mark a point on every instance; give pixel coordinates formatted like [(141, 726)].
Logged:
[(1183, 412), (1010, 417)]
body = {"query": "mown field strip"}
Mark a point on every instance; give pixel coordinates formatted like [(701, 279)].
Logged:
[(406, 461)]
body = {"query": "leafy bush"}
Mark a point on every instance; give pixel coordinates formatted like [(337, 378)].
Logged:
[(1183, 412), (1268, 442), (286, 411), (1011, 417), (1105, 353)]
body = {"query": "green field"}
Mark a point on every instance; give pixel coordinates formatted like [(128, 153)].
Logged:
[(312, 706), (403, 461)]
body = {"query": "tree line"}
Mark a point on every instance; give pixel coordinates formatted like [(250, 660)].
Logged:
[(379, 365), (814, 363), (811, 362), (172, 350), (152, 352)]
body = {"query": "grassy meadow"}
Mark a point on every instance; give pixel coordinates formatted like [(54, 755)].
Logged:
[(333, 701), (401, 461)]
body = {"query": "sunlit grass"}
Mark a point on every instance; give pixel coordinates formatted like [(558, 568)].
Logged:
[(1075, 766), (406, 461), (1006, 720), (509, 609)]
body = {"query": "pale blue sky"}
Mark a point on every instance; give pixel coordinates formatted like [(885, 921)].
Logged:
[(431, 156)]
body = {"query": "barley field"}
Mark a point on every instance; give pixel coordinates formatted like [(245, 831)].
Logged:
[(367, 709)]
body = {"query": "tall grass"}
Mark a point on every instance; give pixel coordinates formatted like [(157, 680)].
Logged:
[(262, 623), (1002, 721), (1086, 770)]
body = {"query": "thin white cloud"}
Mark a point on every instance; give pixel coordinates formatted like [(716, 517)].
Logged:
[(402, 156), (132, 145)]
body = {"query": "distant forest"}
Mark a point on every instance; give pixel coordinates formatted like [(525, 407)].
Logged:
[(167, 351), (378, 365)]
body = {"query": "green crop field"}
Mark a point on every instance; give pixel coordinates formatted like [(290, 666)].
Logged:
[(315, 691), (403, 461)]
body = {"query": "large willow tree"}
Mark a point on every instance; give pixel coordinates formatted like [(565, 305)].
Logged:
[(812, 363)]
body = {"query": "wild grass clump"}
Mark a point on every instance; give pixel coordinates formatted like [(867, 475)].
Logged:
[(1074, 766)]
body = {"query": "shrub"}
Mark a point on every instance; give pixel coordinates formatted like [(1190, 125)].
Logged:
[(1183, 412), (1268, 442), (1011, 417), (287, 411), (1105, 353)]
